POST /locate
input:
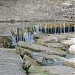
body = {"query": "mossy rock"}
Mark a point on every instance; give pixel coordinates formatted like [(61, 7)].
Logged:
[(38, 70)]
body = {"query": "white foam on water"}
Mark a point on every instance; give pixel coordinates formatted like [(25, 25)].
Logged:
[(29, 37), (70, 41), (37, 28)]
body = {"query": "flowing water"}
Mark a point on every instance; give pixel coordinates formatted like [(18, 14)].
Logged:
[(30, 37)]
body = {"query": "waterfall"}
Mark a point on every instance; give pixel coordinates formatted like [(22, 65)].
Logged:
[(40, 28), (60, 28), (29, 34), (45, 28), (32, 38), (74, 28), (28, 37), (64, 28), (55, 30), (18, 34), (14, 41), (37, 28)]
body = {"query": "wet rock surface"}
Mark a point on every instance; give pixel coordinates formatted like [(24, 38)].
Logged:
[(10, 62), (55, 45), (53, 62), (39, 48), (47, 56), (70, 62), (60, 70)]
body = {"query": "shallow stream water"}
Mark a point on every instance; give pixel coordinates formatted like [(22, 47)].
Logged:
[(28, 37)]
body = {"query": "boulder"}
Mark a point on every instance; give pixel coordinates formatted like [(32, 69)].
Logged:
[(42, 55), (46, 59), (36, 56), (70, 35), (5, 41), (72, 49), (29, 60), (40, 42), (49, 38), (61, 37), (40, 35), (70, 62), (71, 38), (39, 70), (60, 70), (46, 39), (70, 41), (22, 52), (55, 45)]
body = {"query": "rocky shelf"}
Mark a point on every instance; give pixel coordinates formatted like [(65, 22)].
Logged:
[(10, 62)]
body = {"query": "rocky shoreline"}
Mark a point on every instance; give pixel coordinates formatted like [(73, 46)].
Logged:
[(47, 55), (43, 53)]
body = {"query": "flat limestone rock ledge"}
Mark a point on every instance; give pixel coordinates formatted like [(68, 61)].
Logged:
[(51, 70), (70, 62), (10, 62), (38, 70), (22, 52), (55, 45), (33, 57), (60, 70), (29, 60), (69, 41), (47, 39), (36, 47)]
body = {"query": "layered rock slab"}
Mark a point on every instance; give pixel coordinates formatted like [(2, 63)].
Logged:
[(36, 47), (10, 63)]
